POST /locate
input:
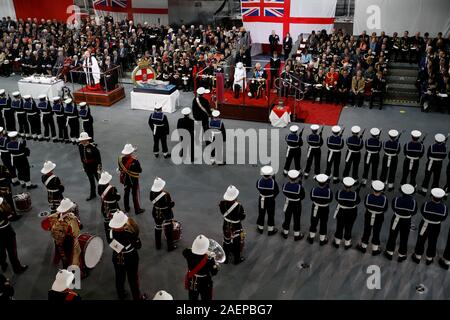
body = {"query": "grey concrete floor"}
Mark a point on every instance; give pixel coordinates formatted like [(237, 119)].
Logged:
[(272, 267)]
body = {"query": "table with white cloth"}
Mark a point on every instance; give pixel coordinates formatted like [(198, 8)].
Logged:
[(148, 101), (37, 85), (280, 117)]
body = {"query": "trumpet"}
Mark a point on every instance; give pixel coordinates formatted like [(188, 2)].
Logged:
[(216, 251)]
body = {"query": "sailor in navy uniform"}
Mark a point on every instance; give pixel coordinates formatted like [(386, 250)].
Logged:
[(5, 112), (19, 159), (6, 157), (87, 121), (335, 144), (58, 110), (404, 207), (71, 114), (162, 213), (110, 200), (436, 154), (17, 106), (188, 124), (389, 163), (217, 128), (376, 204), (315, 143), (346, 213), (268, 190), (353, 155), (294, 193), (55, 189), (201, 108), (233, 233), (160, 128), (434, 212), (444, 262), (294, 152), (47, 117), (33, 116), (372, 157), (413, 150), (321, 197)]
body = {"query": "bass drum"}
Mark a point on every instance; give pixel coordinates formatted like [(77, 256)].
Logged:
[(91, 249)]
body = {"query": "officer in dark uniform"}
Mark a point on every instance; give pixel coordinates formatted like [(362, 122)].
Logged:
[(19, 159), (294, 152), (434, 212), (315, 143), (201, 269), (162, 213), (125, 242), (60, 290), (8, 240), (6, 157), (17, 106), (389, 163), (321, 197), (6, 192), (436, 154), (55, 189), (268, 190), (372, 157), (130, 168), (404, 207), (216, 127), (47, 118), (413, 150), (233, 233), (4, 103), (87, 121), (335, 144), (444, 262), (160, 128), (71, 115), (353, 155), (7, 111), (376, 204), (110, 200), (33, 117), (58, 110), (294, 193), (201, 108), (92, 161), (188, 124)]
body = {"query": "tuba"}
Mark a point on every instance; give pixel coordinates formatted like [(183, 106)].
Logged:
[(216, 251)]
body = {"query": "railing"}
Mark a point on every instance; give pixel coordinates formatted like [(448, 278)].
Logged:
[(295, 91)]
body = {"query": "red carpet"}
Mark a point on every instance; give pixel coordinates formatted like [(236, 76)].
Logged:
[(315, 113), (229, 99)]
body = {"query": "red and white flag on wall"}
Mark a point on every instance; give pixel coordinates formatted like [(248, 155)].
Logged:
[(260, 17), (140, 11)]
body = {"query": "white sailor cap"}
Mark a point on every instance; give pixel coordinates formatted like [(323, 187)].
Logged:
[(437, 193), (321, 178), (377, 185), (56, 98), (375, 131), (12, 134), (266, 171), (393, 133), (293, 174), (68, 100), (2, 92), (416, 133), (348, 181), (335, 129), (215, 113), (294, 128), (42, 96), (16, 94), (439, 138), (201, 90), (27, 96), (186, 111), (356, 129), (82, 104), (407, 189), (315, 127)]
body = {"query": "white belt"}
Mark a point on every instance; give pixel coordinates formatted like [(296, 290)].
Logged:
[(411, 161), (4, 225), (15, 155), (372, 217), (331, 152), (20, 112), (230, 221), (369, 154), (263, 198), (71, 117), (289, 149), (341, 207), (43, 112), (53, 190), (84, 119), (3, 151), (32, 114), (110, 201), (425, 225), (60, 115), (430, 163), (316, 208), (349, 154), (309, 150), (286, 203), (155, 126), (389, 158), (397, 219)]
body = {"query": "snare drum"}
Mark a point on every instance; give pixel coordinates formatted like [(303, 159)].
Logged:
[(176, 231), (22, 201), (91, 249)]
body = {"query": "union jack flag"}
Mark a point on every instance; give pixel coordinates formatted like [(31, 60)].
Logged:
[(266, 8), (111, 3)]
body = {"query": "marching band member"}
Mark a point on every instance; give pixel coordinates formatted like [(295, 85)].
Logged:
[(92, 161), (60, 290), (258, 81), (6, 191), (294, 152), (71, 115), (53, 184), (47, 118), (110, 200), (268, 190), (321, 197), (33, 117), (159, 125), (437, 152), (162, 295), (389, 163), (87, 121), (294, 193)]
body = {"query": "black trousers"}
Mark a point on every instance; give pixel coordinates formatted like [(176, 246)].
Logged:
[(358, 98), (431, 235), (92, 176), (6, 159), (294, 209), (49, 125), (322, 218), (35, 124), (335, 163), (388, 173), (8, 244), (232, 245), (10, 120), (317, 93), (167, 226), (269, 208), (372, 230), (22, 166), (342, 97), (127, 267), (314, 155), (376, 96), (446, 254), (373, 162), (352, 163), (74, 126), (160, 138), (293, 154), (345, 220), (412, 173), (88, 128), (23, 123), (62, 129), (403, 227), (435, 171), (135, 195), (201, 287)]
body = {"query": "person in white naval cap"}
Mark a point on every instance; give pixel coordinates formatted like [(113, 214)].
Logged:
[(162, 295), (294, 152), (436, 154), (372, 158), (434, 212), (353, 155), (201, 109), (404, 207), (19, 159), (321, 197), (346, 212), (389, 163), (72, 120), (294, 193), (413, 150), (33, 117), (188, 124), (159, 125), (216, 129), (315, 142), (109, 199), (87, 121), (376, 204), (7, 111), (58, 110), (335, 144), (48, 122), (268, 190), (17, 106)]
